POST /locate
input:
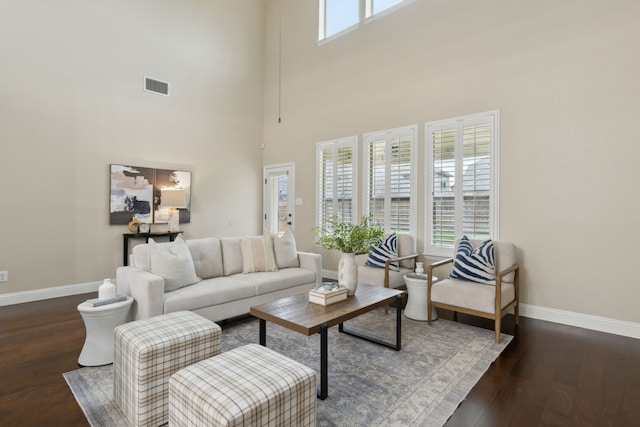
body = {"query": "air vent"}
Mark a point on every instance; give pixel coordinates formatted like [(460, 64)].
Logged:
[(157, 86)]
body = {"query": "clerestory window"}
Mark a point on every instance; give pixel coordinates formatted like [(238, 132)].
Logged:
[(337, 16)]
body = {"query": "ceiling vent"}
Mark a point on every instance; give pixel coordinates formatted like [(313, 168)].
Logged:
[(157, 86)]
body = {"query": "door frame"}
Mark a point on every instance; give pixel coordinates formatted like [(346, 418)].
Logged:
[(290, 170)]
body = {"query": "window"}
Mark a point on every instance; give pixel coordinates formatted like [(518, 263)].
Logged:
[(339, 15), (390, 179), (377, 6), (461, 180), (336, 180)]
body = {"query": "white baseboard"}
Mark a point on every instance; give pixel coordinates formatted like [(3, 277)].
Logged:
[(48, 293), (586, 321)]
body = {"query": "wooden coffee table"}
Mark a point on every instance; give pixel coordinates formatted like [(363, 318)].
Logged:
[(299, 315)]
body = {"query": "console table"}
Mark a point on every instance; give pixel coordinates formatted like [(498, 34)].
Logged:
[(170, 234)]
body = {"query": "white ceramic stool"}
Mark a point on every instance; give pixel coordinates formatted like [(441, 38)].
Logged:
[(416, 307), (99, 323)]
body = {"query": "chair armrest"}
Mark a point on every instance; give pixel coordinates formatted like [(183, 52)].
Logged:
[(506, 271), (430, 268), (311, 261), (389, 261), (147, 289)]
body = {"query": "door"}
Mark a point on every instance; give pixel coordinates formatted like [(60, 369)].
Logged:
[(279, 197)]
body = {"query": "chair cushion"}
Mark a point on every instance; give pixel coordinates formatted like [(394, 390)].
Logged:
[(474, 265), (381, 253), (375, 276), (474, 296)]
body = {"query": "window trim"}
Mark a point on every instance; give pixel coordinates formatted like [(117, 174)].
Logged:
[(367, 137), (334, 145), (494, 191)]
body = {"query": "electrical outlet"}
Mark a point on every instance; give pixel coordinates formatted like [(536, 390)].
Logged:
[(4, 276)]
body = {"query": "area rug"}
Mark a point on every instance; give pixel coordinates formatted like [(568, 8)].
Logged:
[(369, 385)]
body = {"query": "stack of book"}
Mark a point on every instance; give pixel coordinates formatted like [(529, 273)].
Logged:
[(97, 302), (327, 293)]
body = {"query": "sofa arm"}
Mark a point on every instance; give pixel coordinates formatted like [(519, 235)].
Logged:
[(313, 262), (147, 290)]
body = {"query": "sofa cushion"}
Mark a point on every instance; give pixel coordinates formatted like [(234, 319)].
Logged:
[(284, 248), (172, 262), (265, 282), (208, 293), (257, 255), (207, 256), (232, 254)]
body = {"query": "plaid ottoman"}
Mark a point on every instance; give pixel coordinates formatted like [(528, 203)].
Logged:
[(147, 352), (247, 386)]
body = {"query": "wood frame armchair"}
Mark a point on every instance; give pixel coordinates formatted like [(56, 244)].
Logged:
[(476, 299), (385, 276)]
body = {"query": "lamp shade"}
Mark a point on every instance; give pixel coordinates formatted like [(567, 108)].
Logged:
[(173, 198)]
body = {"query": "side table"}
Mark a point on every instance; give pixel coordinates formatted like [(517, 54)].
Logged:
[(99, 323), (416, 307)]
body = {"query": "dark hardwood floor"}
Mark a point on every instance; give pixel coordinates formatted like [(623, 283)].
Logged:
[(549, 375)]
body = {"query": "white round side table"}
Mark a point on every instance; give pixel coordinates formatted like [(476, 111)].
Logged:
[(100, 322), (416, 307)]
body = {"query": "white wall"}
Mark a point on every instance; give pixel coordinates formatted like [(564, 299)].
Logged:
[(71, 103), (564, 76)]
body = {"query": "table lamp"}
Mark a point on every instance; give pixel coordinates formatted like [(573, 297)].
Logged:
[(173, 199)]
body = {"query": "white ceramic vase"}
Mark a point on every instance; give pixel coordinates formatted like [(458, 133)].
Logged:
[(107, 290), (348, 273)]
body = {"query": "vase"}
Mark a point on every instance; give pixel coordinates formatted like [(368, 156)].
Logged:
[(107, 290), (348, 273)]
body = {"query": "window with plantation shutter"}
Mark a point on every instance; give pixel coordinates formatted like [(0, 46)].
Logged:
[(461, 181), (390, 197), (336, 180)]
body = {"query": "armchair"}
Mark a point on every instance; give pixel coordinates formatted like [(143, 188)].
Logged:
[(477, 299), (406, 259)]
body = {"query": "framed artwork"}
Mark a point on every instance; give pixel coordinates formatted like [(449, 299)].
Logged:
[(136, 192), (131, 194), (168, 179)]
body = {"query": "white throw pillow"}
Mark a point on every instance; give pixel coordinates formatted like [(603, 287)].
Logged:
[(284, 248), (173, 263), (257, 255)]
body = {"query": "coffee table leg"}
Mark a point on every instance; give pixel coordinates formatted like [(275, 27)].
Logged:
[(398, 323), (263, 332), (323, 392)]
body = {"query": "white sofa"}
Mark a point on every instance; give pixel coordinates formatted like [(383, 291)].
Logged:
[(224, 291)]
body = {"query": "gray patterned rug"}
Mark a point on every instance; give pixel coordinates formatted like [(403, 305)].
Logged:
[(369, 385)]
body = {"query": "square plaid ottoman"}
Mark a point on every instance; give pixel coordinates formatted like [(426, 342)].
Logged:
[(147, 352), (247, 386)]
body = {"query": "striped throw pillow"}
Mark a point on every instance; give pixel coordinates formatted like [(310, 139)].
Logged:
[(386, 249), (475, 265)]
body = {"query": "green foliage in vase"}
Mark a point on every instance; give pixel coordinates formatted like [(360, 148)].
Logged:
[(348, 238)]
